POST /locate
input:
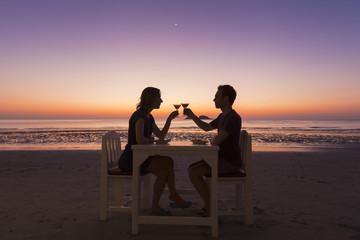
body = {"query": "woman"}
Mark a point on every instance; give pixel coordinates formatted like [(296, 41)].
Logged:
[(141, 127)]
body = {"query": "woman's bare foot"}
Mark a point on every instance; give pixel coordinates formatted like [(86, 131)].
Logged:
[(201, 211), (206, 214), (176, 198)]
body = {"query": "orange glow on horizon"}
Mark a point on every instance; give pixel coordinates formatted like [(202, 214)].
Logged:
[(23, 108), (247, 112)]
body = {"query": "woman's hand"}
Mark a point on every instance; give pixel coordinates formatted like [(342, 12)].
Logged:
[(173, 115), (162, 133)]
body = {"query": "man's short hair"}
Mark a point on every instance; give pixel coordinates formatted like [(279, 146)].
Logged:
[(229, 91)]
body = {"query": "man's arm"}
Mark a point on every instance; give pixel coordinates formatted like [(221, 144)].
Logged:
[(219, 138), (201, 124)]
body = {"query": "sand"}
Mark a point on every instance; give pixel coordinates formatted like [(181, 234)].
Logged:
[(297, 195)]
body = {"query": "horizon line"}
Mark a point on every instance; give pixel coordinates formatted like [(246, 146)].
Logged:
[(265, 118)]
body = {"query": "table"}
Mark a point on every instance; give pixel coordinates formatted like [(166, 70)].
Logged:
[(207, 152)]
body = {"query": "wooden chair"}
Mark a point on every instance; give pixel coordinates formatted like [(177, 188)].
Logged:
[(243, 181), (110, 172)]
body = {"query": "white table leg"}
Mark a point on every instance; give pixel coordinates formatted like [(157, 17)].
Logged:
[(212, 160), (138, 159), (209, 156), (214, 198)]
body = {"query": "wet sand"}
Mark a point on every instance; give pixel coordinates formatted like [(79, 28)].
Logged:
[(297, 195)]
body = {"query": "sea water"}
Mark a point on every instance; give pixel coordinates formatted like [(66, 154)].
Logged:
[(266, 134)]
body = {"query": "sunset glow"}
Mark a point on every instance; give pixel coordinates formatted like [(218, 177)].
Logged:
[(92, 59)]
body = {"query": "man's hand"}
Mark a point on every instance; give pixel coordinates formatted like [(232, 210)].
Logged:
[(189, 113)]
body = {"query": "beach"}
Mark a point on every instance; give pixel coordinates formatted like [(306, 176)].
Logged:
[(297, 195)]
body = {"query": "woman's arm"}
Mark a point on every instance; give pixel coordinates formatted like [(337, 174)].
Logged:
[(139, 131), (161, 134)]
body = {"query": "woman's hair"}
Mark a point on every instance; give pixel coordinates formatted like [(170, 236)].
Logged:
[(147, 98)]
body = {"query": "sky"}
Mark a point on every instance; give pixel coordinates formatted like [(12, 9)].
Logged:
[(287, 59)]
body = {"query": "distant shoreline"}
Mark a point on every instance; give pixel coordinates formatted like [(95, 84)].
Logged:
[(203, 117), (265, 134), (256, 148)]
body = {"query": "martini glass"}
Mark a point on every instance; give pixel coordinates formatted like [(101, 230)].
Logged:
[(185, 105), (177, 106)]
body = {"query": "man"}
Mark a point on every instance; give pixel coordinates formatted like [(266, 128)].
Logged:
[(228, 125)]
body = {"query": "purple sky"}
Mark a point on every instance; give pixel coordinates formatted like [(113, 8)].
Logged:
[(294, 59)]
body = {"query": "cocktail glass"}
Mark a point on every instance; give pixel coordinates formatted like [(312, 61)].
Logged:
[(185, 105), (177, 106)]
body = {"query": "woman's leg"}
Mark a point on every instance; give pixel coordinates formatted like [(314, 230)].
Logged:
[(163, 168), (196, 174), (159, 185)]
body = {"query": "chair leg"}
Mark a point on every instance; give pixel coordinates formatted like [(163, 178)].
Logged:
[(104, 189), (249, 209), (238, 196), (117, 192)]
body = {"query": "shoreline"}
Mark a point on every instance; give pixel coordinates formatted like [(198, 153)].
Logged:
[(268, 148), (51, 194)]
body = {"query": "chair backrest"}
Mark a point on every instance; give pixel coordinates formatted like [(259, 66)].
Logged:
[(246, 151), (111, 149)]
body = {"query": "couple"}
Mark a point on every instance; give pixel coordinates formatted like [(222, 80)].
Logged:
[(142, 125)]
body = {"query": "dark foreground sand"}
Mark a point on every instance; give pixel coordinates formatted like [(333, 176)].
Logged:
[(297, 195)]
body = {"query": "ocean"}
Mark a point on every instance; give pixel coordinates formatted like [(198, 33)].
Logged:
[(267, 135)]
